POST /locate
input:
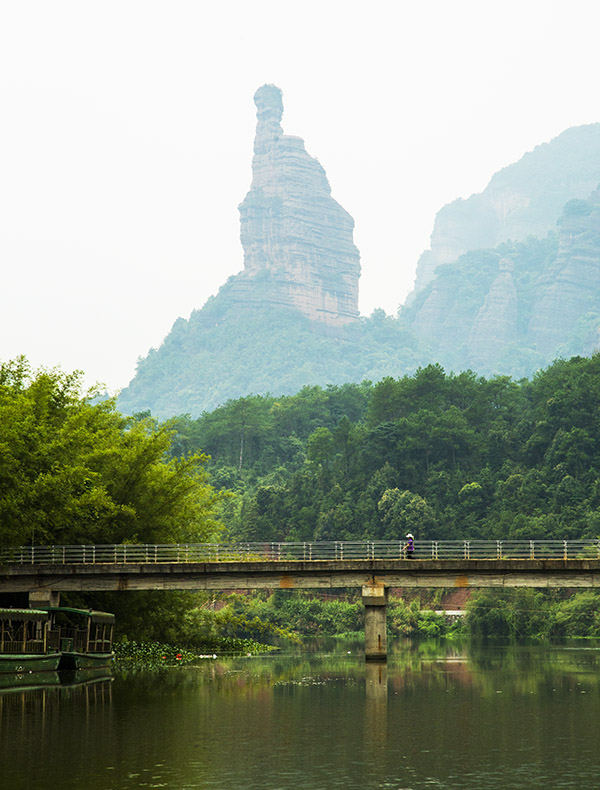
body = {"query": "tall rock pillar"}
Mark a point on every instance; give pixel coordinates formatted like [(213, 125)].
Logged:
[(297, 239)]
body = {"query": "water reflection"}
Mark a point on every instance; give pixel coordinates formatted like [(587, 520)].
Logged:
[(34, 721), (10, 681), (376, 684), (376, 710), (447, 715)]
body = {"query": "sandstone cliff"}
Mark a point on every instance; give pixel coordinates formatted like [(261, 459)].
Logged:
[(515, 308), (293, 232), (568, 295), (521, 200), (512, 280), (290, 318), (496, 323)]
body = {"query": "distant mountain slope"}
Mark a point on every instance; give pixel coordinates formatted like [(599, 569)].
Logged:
[(515, 308), (258, 350), (290, 318), (511, 281), (521, 200)]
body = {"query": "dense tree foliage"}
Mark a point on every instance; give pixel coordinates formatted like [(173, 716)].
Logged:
[(518, 613), (442, 455), (229, 349), (73, 470)]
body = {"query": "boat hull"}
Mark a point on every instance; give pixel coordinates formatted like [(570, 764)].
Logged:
[(73, 660), (21, 663)]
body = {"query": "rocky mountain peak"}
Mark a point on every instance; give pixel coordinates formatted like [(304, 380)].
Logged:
[(566, 304), (297, 239), (269, 111)]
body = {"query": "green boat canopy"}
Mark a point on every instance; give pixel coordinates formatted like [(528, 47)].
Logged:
[(35, 615), (95, 616)]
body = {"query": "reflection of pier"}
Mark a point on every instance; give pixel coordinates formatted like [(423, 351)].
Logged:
[(376, 680), (376, 708), (374, 566)]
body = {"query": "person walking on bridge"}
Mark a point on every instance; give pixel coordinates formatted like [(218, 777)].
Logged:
[(410, 546)]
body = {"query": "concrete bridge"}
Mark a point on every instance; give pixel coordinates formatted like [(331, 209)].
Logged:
[(374, 566)]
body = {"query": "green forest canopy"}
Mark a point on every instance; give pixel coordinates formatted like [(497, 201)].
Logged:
[(445, 455)]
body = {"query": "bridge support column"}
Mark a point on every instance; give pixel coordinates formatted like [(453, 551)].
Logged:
[(375, 600), (43, 598)]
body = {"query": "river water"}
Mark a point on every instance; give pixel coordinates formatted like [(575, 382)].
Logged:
[(438, 715)]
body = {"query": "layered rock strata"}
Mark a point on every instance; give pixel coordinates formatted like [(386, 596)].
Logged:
[(569, 293), (297, 240), (495, 326)]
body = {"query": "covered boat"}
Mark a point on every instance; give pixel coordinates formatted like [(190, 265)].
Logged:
[(27, 642), (85, 637)]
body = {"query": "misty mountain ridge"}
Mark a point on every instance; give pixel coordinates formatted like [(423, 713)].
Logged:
[(511, 280)]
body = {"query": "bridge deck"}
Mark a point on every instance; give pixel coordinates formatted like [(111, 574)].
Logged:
[(300, 574)]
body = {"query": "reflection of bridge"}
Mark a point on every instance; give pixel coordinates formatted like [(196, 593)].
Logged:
[(46, 571)]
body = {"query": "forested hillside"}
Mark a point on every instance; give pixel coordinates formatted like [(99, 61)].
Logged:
[(227, 349), (515, 308), (511, 282), (446, 456)]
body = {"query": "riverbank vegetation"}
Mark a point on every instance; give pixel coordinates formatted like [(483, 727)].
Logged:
[(156, 655), (446, 456), (207, 623)]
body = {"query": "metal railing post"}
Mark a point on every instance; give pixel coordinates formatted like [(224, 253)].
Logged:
[(307, 551)]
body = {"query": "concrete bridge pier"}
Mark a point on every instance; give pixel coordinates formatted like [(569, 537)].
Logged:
[(43, 598), (374, 598)]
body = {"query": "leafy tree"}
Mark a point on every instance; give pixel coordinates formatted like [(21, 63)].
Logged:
[(73, 470), (403, 512)]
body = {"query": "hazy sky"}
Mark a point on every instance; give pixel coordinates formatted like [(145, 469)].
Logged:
[(127, 129)]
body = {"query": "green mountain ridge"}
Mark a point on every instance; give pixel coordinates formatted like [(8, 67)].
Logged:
[(509, 308)]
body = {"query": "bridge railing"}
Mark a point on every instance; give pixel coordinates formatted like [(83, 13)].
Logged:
[(302, 551)]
